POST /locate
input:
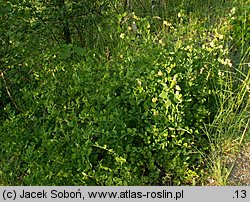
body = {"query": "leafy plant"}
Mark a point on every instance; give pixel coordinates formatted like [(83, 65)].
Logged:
[(131, 111)]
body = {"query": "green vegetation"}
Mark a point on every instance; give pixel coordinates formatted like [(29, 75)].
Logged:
[(122, 92)]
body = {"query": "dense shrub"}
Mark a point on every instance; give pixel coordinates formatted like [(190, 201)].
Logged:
[(133, 115)]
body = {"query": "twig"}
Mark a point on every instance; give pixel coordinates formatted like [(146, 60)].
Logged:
[(8, 92)]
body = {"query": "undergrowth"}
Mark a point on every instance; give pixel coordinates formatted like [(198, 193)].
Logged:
[(160, 99)]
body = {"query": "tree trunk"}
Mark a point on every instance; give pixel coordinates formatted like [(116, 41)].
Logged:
[(127, 5), (65, 23)]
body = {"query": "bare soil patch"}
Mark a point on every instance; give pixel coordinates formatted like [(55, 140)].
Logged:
[(240, 174)]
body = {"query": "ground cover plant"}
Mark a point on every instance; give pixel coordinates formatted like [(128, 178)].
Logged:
[(122, 92)]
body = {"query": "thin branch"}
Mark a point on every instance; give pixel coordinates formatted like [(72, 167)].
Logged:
[(8, 92)]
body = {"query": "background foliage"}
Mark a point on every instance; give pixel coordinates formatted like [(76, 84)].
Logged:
[(116, 92)]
